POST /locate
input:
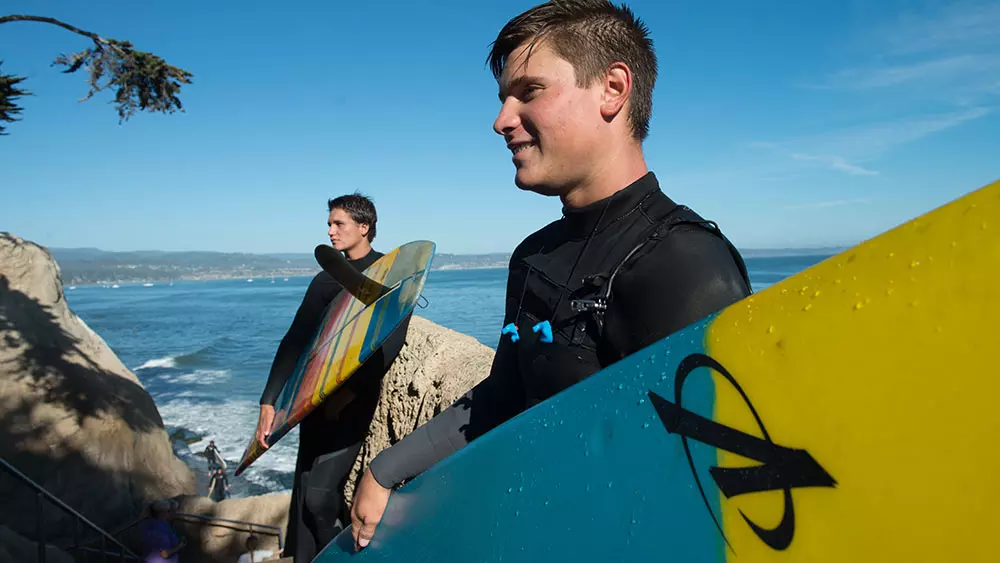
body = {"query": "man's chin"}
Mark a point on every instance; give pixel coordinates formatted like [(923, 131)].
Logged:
[(532, 185)]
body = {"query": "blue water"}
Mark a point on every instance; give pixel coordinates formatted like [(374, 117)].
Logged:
[(203, 349)]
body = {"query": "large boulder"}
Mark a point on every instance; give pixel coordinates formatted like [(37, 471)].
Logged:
[(221, 537), (435, 367), (72, 416)]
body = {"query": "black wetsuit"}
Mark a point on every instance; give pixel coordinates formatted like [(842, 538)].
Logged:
[(212, 455), (679, 269), (328, 442), (217, 486)]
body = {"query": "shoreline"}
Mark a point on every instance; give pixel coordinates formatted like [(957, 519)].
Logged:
[(264, 278)]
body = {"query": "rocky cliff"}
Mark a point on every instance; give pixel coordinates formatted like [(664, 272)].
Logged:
[(72, 417)]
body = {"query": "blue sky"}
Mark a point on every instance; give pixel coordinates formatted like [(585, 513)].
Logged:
[(791, 124)]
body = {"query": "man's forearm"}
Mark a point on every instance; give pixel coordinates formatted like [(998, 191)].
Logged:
[(423, 448)]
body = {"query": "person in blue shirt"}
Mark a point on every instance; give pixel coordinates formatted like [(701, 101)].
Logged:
[(160, 542)]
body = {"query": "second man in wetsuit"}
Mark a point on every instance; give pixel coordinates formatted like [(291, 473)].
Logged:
[(331, 436)]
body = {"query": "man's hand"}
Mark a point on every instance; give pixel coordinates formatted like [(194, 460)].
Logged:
[(264, 424), (168, 553), (370, 499)]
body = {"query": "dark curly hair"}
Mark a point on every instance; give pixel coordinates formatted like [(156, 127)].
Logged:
[(360, 208)]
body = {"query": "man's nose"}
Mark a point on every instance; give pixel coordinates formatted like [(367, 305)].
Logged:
[(507, 120)]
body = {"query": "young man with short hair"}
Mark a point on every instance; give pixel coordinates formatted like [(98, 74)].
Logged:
[(331, 436), (624, 267)]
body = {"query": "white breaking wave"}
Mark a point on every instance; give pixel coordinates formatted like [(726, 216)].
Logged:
[(168, 362), (231, 424), (182, 403), (198, 377)]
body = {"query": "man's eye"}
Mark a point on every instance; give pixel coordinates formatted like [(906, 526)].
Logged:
[(527, 92)]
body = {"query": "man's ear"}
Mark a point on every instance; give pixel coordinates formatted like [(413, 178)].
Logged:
[(617, 89), (364, 228)]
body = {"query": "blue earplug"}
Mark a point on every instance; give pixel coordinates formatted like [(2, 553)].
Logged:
[(546, 329), (510, 329)]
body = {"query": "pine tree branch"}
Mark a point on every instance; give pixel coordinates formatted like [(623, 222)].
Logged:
[(9, 92), (53, 21), (143, 81)]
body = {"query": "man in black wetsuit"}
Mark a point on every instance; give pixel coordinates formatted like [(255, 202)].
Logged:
[(213, 455), (331, 436), (624, 267)]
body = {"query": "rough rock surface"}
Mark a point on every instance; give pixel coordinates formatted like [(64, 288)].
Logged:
[(435, 367), (211, 544), (72, 417)]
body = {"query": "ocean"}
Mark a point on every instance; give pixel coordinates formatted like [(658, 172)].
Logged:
[(203, 349)]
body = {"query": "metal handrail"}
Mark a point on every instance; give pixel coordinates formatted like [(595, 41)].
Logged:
[(266, 529), (41, 493), (106, 553)]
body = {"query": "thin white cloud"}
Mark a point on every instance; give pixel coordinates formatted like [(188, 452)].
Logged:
[(950, 53), (957, 26), (826, 204), (842, 150), (836, 163), (831, 162), (974, 72), (871, 140)]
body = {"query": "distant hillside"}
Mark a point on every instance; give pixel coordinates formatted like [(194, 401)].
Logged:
[(469, 261), (90, 265)]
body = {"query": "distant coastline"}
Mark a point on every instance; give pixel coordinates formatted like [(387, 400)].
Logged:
[(90, 266)]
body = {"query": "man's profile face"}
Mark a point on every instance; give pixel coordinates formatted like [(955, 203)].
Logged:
[(345, 233), (551, 126)]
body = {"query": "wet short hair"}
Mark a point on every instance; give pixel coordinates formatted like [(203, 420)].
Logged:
[(360, 208), (591, 35)]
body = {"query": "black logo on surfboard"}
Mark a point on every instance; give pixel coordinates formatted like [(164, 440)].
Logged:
[(781, 468)]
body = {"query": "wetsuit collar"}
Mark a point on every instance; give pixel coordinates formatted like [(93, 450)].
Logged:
[(367, 254), (582, 221)]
